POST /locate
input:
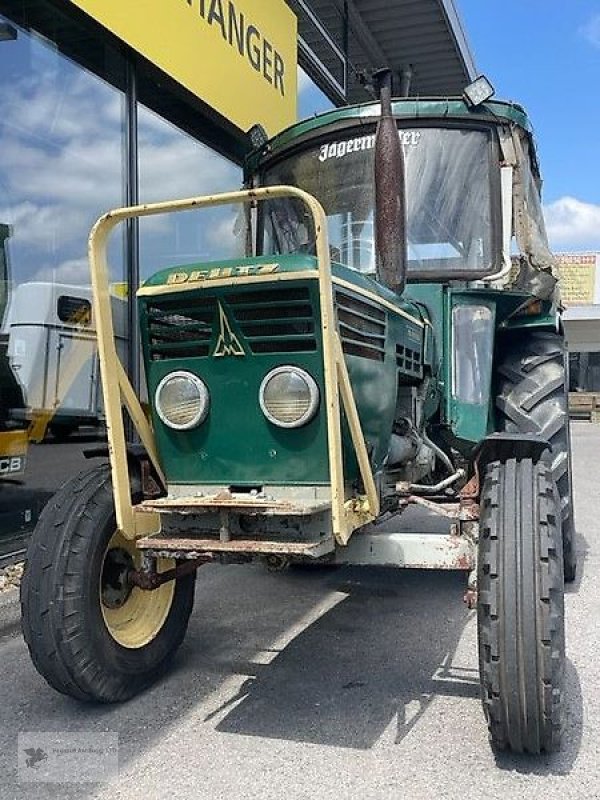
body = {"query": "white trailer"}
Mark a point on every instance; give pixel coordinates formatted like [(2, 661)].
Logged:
[(53, 352)]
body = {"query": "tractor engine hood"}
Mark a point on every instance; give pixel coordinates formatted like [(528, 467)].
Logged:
[(233, 324)]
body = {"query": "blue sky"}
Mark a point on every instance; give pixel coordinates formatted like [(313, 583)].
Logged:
[(544, 54)]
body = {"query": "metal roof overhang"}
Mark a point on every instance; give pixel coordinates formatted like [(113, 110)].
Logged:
[(425, 36)]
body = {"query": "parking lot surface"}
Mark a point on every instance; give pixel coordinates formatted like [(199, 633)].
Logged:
[(347, 683)]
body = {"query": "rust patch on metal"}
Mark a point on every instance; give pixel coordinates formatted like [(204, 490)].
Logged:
[(469, 497), (390, 194), (250, 546), (189, 504), (470, 598), (221, 500), (443, 509), (464, 562), (149, 580)]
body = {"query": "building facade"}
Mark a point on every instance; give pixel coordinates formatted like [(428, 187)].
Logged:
[(580, 293)]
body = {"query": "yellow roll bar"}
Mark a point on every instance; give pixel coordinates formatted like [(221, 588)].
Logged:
[(118, 392)]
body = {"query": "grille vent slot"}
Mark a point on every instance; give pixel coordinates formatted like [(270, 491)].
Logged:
[(180, 330), (271, 321), (408, 359), (362, 327), (276, 320)]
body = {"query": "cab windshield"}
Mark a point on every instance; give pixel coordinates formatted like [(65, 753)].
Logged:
[(449, 192)]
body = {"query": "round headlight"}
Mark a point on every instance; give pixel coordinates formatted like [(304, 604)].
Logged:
[(288, 397), (182, 400)]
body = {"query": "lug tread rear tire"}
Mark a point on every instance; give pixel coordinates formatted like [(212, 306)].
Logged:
[(532, 398), (521, 608)]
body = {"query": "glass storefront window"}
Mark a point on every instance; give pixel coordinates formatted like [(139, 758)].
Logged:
[(61, 167), (173, 165), (59, 127), (584, 372)]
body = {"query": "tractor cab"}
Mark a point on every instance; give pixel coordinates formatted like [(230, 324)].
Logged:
[(472, 187)]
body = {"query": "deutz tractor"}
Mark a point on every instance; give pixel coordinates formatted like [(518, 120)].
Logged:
[(389, 338)]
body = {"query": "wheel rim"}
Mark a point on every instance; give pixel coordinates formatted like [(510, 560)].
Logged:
[(132, 616)]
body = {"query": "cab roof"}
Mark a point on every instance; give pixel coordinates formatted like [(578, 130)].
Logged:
[(434, 108)]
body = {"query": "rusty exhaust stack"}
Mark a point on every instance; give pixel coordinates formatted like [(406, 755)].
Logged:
[(390, 198)]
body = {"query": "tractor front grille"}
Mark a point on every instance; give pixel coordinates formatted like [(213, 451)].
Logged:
[(362, 327), (276, 320), (180, 331)]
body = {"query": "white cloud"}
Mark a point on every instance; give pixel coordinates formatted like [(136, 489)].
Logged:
[(61, 144), (591, 30), (180, 168), (226, 237), (573, 224), (75, 271)]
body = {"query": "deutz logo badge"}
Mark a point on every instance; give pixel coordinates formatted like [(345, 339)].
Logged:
[(227, 344)]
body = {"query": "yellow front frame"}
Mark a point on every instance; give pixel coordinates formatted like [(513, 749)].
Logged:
[(117, 390)]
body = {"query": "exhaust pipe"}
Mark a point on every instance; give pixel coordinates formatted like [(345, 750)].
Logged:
[(390, 194)]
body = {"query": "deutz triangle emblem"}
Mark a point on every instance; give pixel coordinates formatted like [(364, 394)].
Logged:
[(227, 344)]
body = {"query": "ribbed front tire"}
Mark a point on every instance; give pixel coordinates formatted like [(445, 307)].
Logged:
[(90, 634), (520, 611)]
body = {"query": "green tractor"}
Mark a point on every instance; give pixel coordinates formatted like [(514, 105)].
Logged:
[(390, 338)]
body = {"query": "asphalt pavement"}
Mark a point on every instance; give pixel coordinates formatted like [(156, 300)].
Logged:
[(347, 683)]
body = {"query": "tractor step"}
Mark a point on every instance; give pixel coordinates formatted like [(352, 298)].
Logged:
[(193, 548), (239, 503)]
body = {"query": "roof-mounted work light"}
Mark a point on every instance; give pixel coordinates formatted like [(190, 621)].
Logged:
[(257, 136), (478, 92)]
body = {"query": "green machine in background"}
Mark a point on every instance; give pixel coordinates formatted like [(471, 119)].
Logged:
[(390, 338)]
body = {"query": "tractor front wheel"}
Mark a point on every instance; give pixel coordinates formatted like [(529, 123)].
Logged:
[(90, 633), (520, 610)]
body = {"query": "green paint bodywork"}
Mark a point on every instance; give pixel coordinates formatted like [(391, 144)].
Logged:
[(469, 423), (236, 444)]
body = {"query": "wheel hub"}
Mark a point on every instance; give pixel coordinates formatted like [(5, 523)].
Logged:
[(115, 586)]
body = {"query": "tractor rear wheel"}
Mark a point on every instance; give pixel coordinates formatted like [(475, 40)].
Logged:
[(532, 398), (520, 611), (91, 634)]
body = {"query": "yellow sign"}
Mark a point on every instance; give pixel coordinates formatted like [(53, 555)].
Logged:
[(238, 56), (577, 278)]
